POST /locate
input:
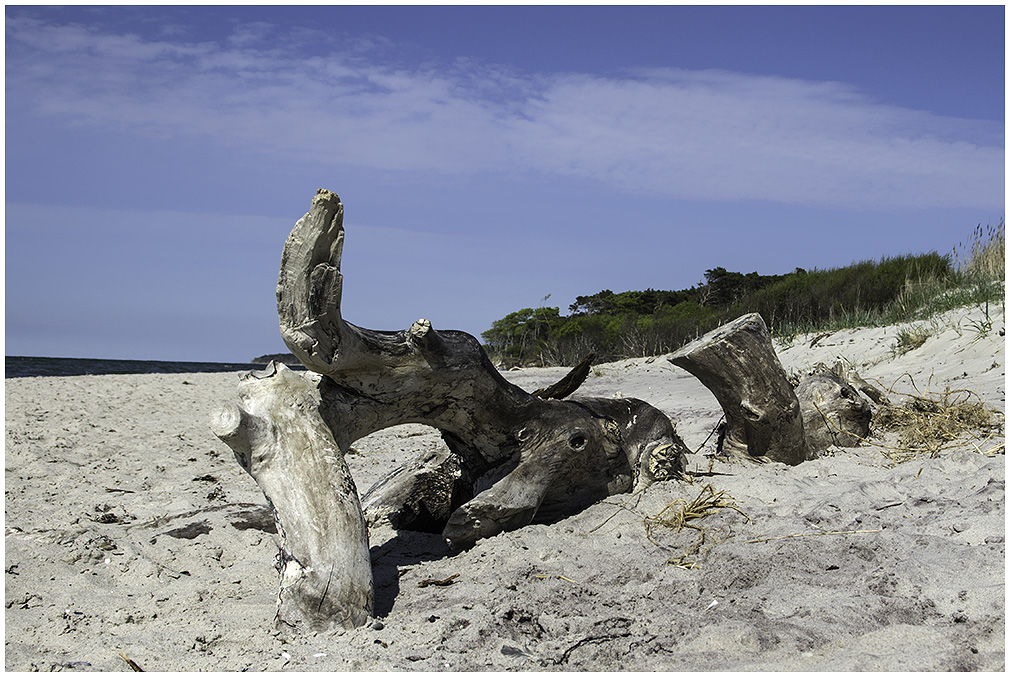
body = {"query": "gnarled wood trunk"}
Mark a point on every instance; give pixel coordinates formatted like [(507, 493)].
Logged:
[(279, 438), (513, 456)]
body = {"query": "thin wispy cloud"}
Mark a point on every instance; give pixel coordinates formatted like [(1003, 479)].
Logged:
[(709, 135)]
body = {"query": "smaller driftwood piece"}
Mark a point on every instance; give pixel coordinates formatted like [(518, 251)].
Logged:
[(766, 418), (738, 364), (835, 412)]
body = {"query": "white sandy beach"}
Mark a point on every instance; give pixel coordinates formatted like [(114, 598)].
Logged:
[(129, 527)]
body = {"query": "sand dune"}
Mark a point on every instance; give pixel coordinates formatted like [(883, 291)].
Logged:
[(130, 528)]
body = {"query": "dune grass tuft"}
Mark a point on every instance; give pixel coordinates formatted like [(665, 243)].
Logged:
[(929, 422), (909, 339), (983, 257)]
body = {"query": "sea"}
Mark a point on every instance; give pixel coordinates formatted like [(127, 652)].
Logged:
[(20, 367)]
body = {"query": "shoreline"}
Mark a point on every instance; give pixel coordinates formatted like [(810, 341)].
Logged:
[(17, 366)]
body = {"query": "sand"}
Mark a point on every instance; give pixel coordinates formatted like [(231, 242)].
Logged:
[(130, 528)]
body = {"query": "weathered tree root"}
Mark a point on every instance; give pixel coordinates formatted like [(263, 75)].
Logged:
[(512, 456)]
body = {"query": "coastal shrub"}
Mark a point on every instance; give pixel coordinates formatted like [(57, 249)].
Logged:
[(524, 335), (866, 293), (835, 297)]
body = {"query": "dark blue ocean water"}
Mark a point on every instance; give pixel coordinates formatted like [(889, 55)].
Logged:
[(17, 367)]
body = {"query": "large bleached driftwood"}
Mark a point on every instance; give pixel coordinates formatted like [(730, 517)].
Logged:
[(512, 456)]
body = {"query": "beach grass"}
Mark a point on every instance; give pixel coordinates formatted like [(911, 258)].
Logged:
[(975, 277)]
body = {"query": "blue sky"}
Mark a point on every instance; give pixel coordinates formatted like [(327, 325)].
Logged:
[(487, 157)]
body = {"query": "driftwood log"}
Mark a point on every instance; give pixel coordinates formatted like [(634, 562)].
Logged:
[(737, 362), (580, 451), (834, 411), (766, 418), (511, 456)]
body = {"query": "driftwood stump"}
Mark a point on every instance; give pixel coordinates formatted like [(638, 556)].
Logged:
[(737, 362), (512, 456), (835, 412), (279, 438), (766, 418)]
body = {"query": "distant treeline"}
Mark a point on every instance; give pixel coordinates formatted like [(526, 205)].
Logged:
[(652, 322)]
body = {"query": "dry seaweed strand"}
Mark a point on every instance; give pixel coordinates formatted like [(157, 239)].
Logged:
[(620, 507), (687, 476), (678, 514), (929, 424), (438, 582), (814, 533)]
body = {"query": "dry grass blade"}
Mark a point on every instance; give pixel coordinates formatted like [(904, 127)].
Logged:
[(814, 533), (558, 576), (984, 256), (130, 662)]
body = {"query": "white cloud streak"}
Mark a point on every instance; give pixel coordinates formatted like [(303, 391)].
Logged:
[(708, 135)]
